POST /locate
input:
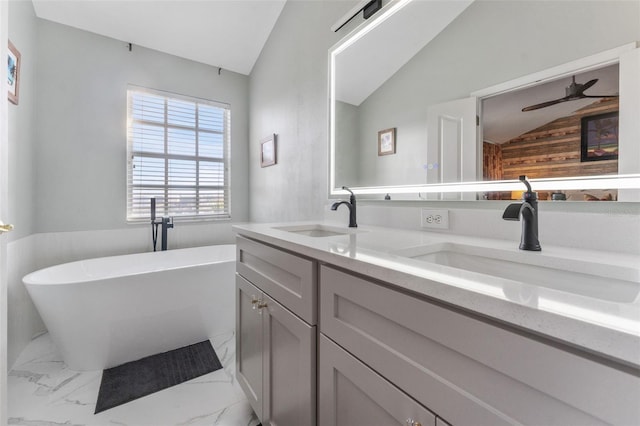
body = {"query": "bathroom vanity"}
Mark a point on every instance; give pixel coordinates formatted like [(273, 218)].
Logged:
[(373, 326)]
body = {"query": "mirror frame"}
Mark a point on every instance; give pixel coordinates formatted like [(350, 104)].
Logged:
[(620, 181)]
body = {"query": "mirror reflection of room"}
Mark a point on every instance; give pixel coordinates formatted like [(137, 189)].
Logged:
[(546, 131), (424, 70)]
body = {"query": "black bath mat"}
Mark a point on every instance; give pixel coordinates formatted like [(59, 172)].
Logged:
[(145, 376)]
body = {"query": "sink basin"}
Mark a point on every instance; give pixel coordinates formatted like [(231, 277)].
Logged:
[(314, 230), (600, 281)]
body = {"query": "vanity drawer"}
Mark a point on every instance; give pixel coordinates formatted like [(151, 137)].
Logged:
[(352, 394), (285, 277), (467, 370)]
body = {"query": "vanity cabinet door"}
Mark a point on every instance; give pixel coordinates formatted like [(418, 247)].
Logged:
[(249, 343), (275, 359), (351, 394), (289, 364)]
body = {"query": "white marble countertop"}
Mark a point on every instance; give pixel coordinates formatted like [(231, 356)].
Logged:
[(601, 321)]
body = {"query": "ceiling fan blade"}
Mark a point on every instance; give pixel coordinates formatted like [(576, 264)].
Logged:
[(544, 104), (588, 84), (600, 96)]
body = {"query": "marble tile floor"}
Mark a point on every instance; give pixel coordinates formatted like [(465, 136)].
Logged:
[(43, 392)]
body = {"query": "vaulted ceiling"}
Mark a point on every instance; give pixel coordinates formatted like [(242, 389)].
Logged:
[(224, 33)]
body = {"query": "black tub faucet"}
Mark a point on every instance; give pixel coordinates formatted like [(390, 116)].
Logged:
[(165, 222), (352, 207), (528, 209)]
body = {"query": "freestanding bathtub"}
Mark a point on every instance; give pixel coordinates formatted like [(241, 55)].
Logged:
[(107, 311)]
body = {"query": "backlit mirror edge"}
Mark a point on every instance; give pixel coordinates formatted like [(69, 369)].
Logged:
[(360, 31), (621, 181)]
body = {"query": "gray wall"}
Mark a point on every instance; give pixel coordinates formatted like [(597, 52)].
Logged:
[(22, 137), (22, 320), (289, 97), (81, 157), (347, 127), (489, 43)]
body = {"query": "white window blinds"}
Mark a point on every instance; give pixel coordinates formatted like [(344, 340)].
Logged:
[(178, 152)]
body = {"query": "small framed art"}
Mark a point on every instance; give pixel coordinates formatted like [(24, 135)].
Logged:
[(13, 73), (268, 154), (387, 141)]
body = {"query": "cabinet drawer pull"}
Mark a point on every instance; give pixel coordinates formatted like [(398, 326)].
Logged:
[(257, 303)]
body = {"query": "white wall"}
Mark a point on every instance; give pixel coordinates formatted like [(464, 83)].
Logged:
[(22, 319), (22, 143), (288, 93), (4, 178), (81, 123)]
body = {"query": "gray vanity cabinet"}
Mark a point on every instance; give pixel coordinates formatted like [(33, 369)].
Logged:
[(275, 348), (389, 356), (467, 370)]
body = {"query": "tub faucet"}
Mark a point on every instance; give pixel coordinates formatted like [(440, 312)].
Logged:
[(165, 222), (352, 207), (528, 209)]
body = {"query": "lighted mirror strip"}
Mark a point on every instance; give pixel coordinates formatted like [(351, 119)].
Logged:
[(386, 12), (631, 181)]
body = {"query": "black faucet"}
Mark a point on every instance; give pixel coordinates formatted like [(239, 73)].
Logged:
[(165, 222), (529, 211), (352, 208)]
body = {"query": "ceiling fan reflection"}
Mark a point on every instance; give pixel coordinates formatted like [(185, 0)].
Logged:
[(573, 92)]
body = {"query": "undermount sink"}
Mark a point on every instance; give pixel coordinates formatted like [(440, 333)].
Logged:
[(314, 230), (600, 281)]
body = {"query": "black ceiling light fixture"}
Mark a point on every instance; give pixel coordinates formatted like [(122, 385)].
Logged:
[(573, 92), (368, 8)]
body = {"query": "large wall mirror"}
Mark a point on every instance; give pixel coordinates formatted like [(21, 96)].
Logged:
[(427, 101)]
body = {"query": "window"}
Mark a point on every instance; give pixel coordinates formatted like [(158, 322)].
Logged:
[(178, 152)]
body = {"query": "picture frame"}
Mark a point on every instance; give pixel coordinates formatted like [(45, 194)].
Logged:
[(13, 73), (387, 141), (599, 137), (268, 151)]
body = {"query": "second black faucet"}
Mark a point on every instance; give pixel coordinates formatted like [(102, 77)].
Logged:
[(351, 204), (529, 211)]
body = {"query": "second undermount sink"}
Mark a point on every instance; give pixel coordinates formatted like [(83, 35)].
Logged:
[(314, 230), (600, 281)]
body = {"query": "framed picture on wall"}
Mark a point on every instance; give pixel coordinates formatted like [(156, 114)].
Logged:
[(13, 73), (268, 151), (599, 137), (387, 141)]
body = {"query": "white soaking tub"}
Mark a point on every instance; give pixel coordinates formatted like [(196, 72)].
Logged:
[(107, 311)]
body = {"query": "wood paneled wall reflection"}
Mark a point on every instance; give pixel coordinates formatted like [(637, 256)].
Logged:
[(552, 150), (492, 161)]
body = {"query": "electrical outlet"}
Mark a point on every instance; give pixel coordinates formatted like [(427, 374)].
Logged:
[(435, 218)]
